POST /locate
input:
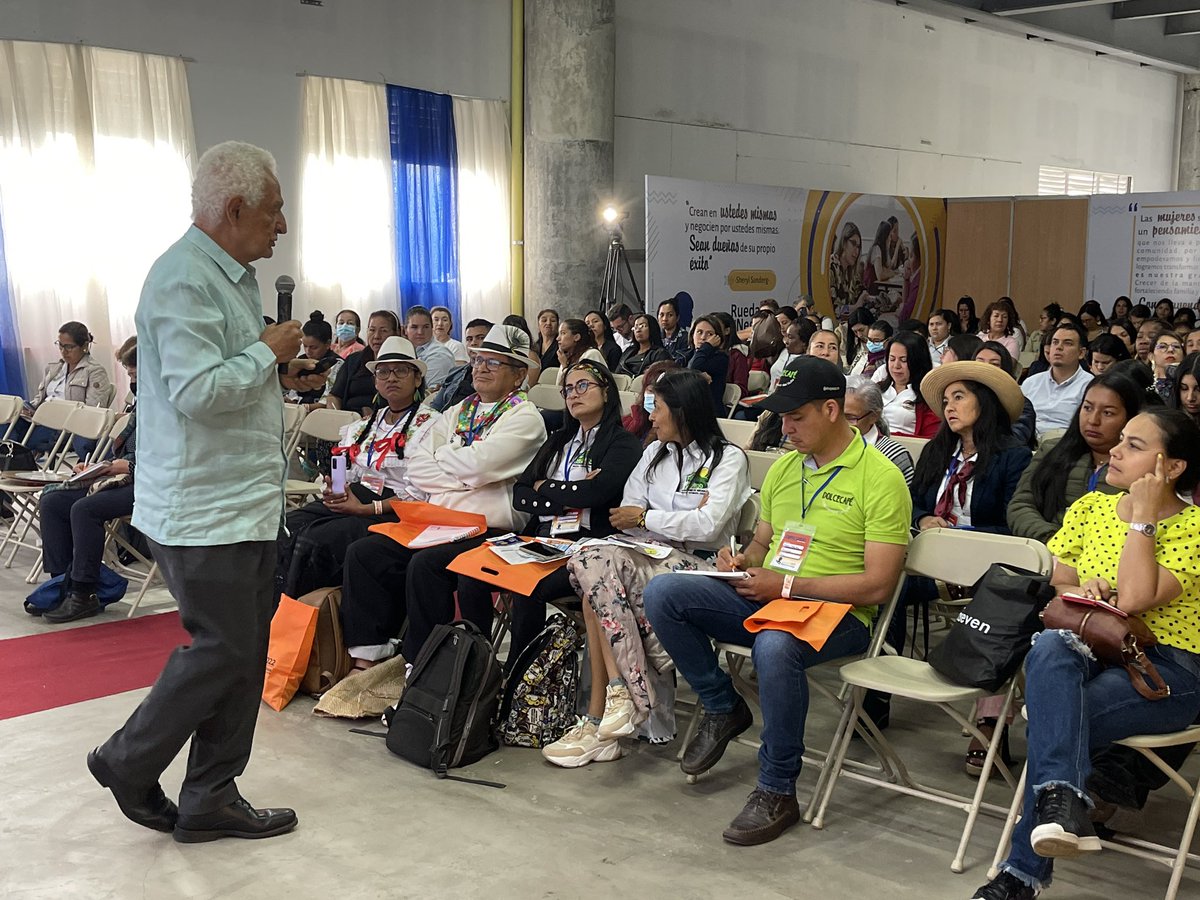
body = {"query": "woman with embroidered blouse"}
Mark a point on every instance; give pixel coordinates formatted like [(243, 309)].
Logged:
[(683, 499), (1138, 550)]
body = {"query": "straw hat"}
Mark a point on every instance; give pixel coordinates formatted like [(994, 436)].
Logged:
[(397, 349), (364, 694), (933, 386)]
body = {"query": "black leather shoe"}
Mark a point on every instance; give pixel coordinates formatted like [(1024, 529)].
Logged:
[(148, 807), (75, 606), (713, 736), (239, 819), (764, 817)]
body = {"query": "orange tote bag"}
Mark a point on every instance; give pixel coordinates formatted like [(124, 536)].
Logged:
[(292, 631)]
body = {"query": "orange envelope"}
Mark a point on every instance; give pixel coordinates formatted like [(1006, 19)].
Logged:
[(415, 516), (484, 565), (812, 621)]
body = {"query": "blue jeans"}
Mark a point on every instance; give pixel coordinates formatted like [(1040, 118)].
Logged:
[(688, 613), (1076, 706)]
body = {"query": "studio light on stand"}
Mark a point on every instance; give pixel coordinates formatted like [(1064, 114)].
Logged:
[(610, 290)]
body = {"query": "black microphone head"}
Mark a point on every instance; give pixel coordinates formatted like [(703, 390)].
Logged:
[(285, 284)]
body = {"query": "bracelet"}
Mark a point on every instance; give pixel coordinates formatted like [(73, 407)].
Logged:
[(641, 522), (787, 585), (379, 507)]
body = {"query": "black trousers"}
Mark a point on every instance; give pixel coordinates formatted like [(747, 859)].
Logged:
[(73, 530), (528, 613), (208, 692)]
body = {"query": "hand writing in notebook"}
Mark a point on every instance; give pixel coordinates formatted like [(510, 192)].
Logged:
[(762, 586)]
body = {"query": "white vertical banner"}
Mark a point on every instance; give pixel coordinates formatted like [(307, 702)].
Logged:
[(1145, 247)]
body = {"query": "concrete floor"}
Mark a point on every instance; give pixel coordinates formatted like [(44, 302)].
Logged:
[(372, 825)]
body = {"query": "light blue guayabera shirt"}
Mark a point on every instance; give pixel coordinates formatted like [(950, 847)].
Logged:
[(210, 411)]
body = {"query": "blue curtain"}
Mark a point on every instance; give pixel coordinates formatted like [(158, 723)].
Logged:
[(12, 373), (424, 178)]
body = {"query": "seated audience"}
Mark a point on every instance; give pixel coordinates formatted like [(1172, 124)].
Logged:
[(638, 421), (73, 519), (674, 330), (1147, 335), (75, 375), (1186, 395), (354, 386), (856, 502), (707, 358), (1168, 351), (1104, 351), (1091, 317), (443, 325), (825, 344), (545, 344), (686, 492), (575, 344), (856, 332), (942, 324), (1047, 319), (1056, 393), (647, 347), (316, 343), (1185, 321), (1120, 308), (764, 340), (469, 462), (795, 343), (1000, 327), (961, 347), (605, 340), (875, 356), (996, 354), (968, 322), (1164, 311), (346, 327), (864, 410), (1066, 468), (621, 319), (534, 372), (378, 452), (577, 476), (908, 361), (1126, 333), (438, 358), (738, 370), (1139, 314), (1139, 550), (457, 386)]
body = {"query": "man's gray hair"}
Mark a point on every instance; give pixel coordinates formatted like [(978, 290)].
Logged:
[(228, 170), (869, 393)]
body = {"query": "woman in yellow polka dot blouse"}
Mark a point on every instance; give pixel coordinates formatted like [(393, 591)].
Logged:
[(1139, 549)]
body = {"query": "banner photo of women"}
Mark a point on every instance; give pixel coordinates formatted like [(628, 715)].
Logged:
[(731, 246)]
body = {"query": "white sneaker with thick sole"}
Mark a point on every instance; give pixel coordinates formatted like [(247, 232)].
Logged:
[(618, 713), (580, 746)]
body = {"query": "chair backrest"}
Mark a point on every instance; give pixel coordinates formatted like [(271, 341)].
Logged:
[(758, 381), (914, 445), (90, 422), (737, 431), (760, 462), (53, 413), (546, 396), (1051, 435), (961, 557), (628, 399), (549, 376), (636, 384), (748, 518), (730, 398), (110, 394), (327, 424), (10, 412), (622, 381), (118, 426)]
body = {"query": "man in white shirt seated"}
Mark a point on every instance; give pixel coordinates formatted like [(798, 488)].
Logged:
[(941, 325), (439, 359), (1057, 392), (620, 317)]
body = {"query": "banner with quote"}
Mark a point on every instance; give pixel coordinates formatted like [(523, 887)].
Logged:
[(731, 246), (1144, 246)]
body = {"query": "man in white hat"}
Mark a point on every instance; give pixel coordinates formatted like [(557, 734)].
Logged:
[(476, 451)]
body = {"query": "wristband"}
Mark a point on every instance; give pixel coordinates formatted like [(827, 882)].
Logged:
[(379, 507), (641, 522), (787, 585)]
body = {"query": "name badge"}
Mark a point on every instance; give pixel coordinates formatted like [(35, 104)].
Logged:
[(567, 523), (794, 545), (373, 482)]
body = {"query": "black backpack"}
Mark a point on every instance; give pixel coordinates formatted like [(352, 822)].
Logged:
[(541, 690), (16, 457), (445, 716)]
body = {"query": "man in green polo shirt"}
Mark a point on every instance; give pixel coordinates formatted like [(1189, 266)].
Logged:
[(834, 526)]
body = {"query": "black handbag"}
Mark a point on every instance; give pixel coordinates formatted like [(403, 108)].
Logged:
[(988, 641), (16, 457)]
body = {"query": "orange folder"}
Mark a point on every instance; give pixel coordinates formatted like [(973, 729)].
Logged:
[(482, 564), (812, 621), (415, 516)]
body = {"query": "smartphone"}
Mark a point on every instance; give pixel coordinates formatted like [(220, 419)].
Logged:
[(542, 551), (337, 475), (323, 365), (1081, 600)]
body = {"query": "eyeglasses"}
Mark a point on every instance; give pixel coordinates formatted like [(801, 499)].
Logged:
[(854, 420), (579, 388), (1164, 346), (492, 365), (61, 346), (397, 374)]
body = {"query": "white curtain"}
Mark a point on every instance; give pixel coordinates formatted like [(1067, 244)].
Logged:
[(481, 132), (347, 221), (96, 160)]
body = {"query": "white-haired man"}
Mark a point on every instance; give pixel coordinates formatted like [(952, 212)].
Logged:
[(209, 496)]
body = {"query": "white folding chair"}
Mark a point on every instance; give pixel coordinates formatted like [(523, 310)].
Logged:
[(628, 400), (636, 385), (549, 376), (10, 413), (547, 396), (319, 425), (757, 382), (731, 398), (293, 415), (737, 431), (760, 463), (914, 445), (146, 578), (622, 381), (958, 557)]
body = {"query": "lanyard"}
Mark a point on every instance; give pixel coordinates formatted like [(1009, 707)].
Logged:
[(570, 461), (805, 507), (371, 443), (1095, 479)]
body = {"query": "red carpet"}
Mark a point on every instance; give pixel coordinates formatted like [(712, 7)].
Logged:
[(45, 671)]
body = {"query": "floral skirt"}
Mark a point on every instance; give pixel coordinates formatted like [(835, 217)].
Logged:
[(611, 579)]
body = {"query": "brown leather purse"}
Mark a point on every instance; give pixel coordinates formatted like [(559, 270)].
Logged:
[(1115, 639)]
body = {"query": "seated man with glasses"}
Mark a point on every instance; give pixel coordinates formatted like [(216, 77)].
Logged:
[(1057, 392), (470, 462)]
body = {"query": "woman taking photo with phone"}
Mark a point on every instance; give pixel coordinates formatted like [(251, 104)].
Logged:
[(685, 496)]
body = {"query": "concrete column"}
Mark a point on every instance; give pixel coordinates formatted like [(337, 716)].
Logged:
[(570, 52), (1189, 135)]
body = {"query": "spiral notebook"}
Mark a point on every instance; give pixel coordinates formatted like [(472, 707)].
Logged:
[(444, 534)]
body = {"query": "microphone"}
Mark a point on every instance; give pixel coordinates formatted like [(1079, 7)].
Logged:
[(284, 285)]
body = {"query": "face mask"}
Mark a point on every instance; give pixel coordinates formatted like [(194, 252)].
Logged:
[(874, 346), (648, 403), (345, 332)]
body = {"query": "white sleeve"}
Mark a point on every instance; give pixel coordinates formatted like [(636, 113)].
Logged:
[(637, 492), (728, 489), (503, 453)]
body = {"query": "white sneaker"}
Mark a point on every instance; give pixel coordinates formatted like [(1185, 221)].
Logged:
[(618, 713), (580, 746)]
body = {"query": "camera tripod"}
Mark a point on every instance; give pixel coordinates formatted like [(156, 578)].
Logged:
[(610, 288)]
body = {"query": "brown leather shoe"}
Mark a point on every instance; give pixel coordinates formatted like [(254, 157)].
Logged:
[(713, 736), (765, 817)]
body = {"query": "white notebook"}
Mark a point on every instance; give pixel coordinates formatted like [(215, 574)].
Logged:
[(444, 534)]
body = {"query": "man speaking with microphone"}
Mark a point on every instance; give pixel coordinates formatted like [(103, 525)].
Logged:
[(209, 496)]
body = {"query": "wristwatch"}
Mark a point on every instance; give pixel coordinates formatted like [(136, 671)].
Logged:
[(1149, 529)]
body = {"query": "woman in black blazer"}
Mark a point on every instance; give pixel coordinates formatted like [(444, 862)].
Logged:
[(578, 475)]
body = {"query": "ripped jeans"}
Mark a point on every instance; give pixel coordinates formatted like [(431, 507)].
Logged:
[(1077, 705)]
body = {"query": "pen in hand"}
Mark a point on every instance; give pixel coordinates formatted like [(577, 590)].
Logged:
[(732, 553)]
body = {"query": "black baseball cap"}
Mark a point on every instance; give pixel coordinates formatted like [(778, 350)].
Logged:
[(804, 380)]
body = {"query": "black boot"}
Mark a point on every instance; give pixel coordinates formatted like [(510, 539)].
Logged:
[(77, 605)]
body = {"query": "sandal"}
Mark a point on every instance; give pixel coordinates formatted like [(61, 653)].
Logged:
[(977, 754)]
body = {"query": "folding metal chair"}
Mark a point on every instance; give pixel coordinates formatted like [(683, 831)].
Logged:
[(547, 396), (146, 578), (293, 415), (731, 397), (10, 413), (958, 557), (320, 425)]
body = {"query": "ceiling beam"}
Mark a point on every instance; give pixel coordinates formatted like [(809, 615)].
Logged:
[(1182, 25), (1153, 9), (1025, 7)]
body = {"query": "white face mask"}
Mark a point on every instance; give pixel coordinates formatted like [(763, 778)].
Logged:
[(648, 403)]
